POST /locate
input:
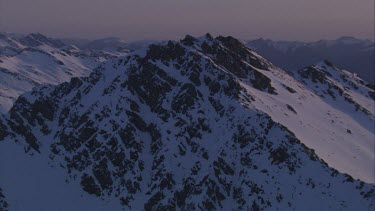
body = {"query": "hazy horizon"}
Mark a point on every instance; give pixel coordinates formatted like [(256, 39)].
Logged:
[(177, 38), (131, 20)]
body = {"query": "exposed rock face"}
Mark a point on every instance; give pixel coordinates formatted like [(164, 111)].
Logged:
[(175, 129), (327, 81), (3, 203)]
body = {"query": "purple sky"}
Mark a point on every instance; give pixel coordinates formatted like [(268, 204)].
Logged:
[(131, 20)]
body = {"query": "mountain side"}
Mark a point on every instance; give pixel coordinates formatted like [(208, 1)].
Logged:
[(178, 125), (330, 110), (28, 61)]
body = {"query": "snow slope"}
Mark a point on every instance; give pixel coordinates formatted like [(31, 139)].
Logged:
[(28, 61), (340, 128)]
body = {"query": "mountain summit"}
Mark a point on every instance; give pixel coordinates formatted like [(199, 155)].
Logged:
[(203, 123)]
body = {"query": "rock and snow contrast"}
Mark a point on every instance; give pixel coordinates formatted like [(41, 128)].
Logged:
[(28, 61), (199, 124)]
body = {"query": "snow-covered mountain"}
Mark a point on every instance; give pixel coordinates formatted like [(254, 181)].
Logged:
[(203, 123), (349, 53), (28, 61)]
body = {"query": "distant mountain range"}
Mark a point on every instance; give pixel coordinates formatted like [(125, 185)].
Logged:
[(202, 123), (107, 44), (348, 53)]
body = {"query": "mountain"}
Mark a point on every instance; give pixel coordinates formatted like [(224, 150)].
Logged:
[(203, 123), (348, 53), (34, 59)]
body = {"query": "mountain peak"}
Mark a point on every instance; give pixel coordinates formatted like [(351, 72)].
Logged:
[(227, 52)]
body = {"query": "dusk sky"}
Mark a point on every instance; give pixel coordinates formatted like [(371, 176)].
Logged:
[(307, 20)]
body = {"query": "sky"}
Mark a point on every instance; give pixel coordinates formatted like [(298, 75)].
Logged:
[(131, 20)]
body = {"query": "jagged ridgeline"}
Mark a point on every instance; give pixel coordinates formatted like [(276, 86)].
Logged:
[(172, 127)]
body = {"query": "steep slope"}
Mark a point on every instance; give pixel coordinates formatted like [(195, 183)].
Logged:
[(354, 55), (27, 61), (173, 127), (330, 110)]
